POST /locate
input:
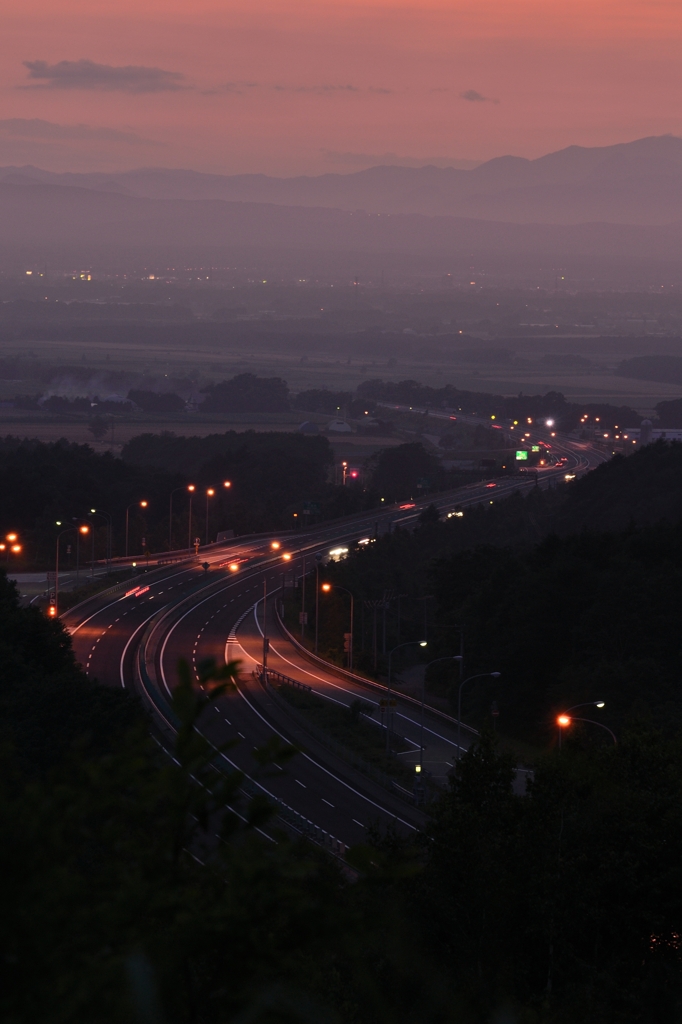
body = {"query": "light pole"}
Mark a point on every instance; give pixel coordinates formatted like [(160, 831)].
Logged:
[(109, 520), (480, 675), (227, 484), (10, 544), (209, 494), (564, 719), (318, 559), (141, 504), (54, 611), (452, 657), (170, 516), (409, 643), (191, 488), (327, 587), (92, 559), (81, 529)]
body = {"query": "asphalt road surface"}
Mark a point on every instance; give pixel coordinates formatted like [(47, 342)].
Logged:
[(182, 611)]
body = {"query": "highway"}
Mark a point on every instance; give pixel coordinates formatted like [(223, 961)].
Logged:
[(181, 611)]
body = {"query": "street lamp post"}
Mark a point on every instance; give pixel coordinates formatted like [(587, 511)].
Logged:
[(452, 657), (327, 587), (480, 675), (142, 504), (81, 530), (191, 488), (92, 562), (209, 494), (109, 521), (170, 516), (565, 719), (409, 643), (318, 559)]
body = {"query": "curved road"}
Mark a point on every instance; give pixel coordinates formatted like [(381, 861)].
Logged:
[(183, 611)]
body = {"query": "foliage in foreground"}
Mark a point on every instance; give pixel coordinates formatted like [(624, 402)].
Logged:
[(135, 888), (138, 889)]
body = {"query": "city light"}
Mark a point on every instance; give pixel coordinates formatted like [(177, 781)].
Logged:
[(326, 587), (563, 721), (275, 545), (227, 483), (143, 504), (16, 548), (11, 537), (286, 556), (191, 487), (233, 566), (52, 611), (84, 529)]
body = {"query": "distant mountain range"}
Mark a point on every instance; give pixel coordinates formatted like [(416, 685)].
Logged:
[(632, 183), (57, 216), (619, 202)]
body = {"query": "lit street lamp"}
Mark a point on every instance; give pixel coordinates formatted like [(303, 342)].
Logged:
[(409, 643), (54, 609), (10, 544), (170, 516), (191, 488), (326, 587), (453, 657), (564, 719), (209, 494), (481, 675), (109, 520), (92, 558), (141, 504)]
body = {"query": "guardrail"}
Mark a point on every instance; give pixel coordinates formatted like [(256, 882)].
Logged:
[(424, 787), (267, 674), (369, 683)]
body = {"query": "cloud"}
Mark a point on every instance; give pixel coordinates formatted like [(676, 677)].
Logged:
[(240, 89), (230, 89), (36, 128), (319, 89), (476, 97), (86, 74)]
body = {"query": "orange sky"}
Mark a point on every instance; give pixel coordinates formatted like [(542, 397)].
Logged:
[(295, 87)]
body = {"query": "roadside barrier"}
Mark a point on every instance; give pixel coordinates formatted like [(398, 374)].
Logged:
[(369, 683), (429, 790)]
